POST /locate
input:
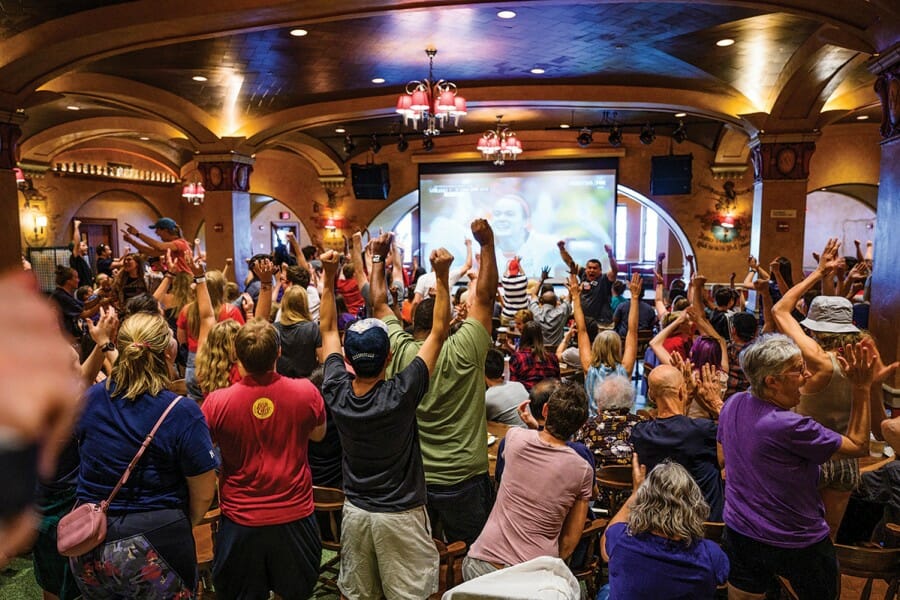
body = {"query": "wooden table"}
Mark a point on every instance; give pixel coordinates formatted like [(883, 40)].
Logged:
[(498, 430)]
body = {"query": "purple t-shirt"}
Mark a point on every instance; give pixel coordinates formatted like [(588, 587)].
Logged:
[(772, 459), (648, 566)]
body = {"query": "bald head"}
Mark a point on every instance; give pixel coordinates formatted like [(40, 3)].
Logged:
[(666, 389)]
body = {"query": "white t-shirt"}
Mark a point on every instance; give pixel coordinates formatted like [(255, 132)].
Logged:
[(429, 280)]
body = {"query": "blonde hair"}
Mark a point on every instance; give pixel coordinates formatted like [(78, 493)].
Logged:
[(141, 367), (215, 284), (606, 349), (524, 315), (295, 306), (182, 291), (670, 504), (216, 357)]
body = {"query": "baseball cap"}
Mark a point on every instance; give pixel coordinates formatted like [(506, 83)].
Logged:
[(830, 314), (366, 346), (165, 223)]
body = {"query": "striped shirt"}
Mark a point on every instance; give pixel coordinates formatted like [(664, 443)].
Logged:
[(514, 294)]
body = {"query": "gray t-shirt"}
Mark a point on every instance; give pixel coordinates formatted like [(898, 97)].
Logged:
[(501, 403)]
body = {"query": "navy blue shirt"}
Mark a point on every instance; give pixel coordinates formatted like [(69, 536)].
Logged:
[(111, 430), (692, 444), (379, 433)]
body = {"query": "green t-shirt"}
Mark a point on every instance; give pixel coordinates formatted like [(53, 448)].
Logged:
[(452, 425)]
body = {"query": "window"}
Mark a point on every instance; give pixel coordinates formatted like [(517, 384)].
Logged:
[(621, 231), (651, 234)]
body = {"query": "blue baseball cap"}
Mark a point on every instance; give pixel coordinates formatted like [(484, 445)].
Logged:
[(165, 223), (366, 346)]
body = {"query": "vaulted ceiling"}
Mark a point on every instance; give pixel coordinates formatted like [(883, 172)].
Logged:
[(129, 68)]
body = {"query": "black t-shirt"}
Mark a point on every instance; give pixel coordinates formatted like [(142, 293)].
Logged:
[(104, 265), (383, 469), (325, 456), (70, 308), (83, 268), (595, 297), (298, 348), (692, 444)]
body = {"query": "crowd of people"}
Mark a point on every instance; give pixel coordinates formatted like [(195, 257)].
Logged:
[(352, 370)]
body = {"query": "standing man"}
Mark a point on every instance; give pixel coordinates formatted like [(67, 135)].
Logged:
[(452, 425), (169, 239), (596, 289), (552, 315), (80, 260), (268, 537), (386, 540)]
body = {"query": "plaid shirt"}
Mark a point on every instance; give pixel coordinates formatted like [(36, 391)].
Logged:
[(526, 370), (737, 381)]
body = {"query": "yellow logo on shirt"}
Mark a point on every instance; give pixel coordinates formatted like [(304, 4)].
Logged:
[(263, 408)]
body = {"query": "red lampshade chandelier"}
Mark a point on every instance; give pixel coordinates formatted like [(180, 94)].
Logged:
[(499, 144), (194, 193), (433, 103)]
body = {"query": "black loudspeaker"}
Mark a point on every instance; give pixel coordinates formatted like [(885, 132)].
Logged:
[(370, 182), (670, 174)]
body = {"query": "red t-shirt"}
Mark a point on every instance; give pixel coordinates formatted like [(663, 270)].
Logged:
[(352, 296), (262, 425), (680, 344), (228, 311), (179, 264)]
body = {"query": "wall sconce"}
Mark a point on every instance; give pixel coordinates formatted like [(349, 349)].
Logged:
[(39, 222)]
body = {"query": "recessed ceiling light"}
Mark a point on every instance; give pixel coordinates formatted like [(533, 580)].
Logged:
[(862, 117), (725, 42), (144, 138), (299, 32), (564, 125), (680, 115), (537, 71), (73, 107), (506, 14), (378, 80), (340, 130), (198, 78)]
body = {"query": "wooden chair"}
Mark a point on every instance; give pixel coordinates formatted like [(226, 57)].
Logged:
[(591, 563), (871, 564), (615, 484), (713, 530), (329, 503), (451, 564), (205, 542)]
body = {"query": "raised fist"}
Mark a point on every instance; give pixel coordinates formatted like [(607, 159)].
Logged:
[(482, 232)]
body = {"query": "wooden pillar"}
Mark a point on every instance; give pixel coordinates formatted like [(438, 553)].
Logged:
[(781, 169), (884, 317), (226, 210), (10, 235)]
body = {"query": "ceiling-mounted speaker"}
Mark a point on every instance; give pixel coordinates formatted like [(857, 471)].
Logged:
[(370, 182), (671, 175)]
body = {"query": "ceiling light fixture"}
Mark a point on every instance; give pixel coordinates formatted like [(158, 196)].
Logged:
[(199, 78), (723, 43), (537, 71), (193, 193), (73, 107), (680, 115), (615, 136), (680, 133), (375, 145), (402, 144), (647, 134), (299, 32), (428, 143), (585, 138), (862, 117), (499, 144), (431, 101), (144, 138), (340, 130), (378, 80), (564, 125), (506, 14)]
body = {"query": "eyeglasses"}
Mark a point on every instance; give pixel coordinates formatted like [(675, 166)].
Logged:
[(797, 370)]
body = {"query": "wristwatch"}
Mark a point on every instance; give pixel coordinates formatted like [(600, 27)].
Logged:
[(108, 347)]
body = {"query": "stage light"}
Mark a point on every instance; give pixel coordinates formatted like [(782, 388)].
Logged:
[(647, 134), (585, 138), (615, 136), (349, 145), (428, 143), (680, 134), (375, 146), (402, 144)]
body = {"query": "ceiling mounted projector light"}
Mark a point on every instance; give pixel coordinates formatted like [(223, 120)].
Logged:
[(647, 134), (615, 136), (585, 138), (428, 143), (375, 146), (349, 145), (402, 144), (680, 133)]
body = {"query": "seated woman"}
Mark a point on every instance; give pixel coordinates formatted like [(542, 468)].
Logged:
[(149, 549), (654, 545), (605, 356), (301, 341), (532, 362), (543, 498)]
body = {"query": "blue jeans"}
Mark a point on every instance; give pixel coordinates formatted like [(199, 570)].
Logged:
[(190, 378), (603, 592), (459, 511)]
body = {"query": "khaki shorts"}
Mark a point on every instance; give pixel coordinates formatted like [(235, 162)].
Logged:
[(387, 555), (841, 474)]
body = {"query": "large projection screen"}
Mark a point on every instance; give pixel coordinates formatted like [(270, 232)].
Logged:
[(531, 206)]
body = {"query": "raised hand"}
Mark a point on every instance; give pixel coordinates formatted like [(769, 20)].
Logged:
[(574, 288), (829, 259), (708, 391), (195, 265), (132, 230), (636, 285), (608, 249), (330, 261), (482, 232), (638, 471), (561, 244), (440, 261), (858, 364), (265, 269), (105, 328), (381, 245), (882, 371)]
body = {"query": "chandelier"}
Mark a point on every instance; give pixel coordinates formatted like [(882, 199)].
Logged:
[(193, 193), (431, 102), (499, 144)]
